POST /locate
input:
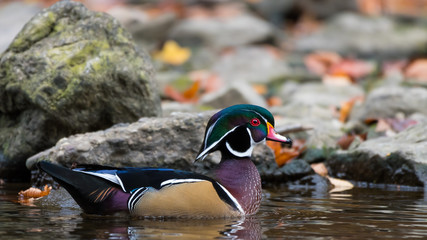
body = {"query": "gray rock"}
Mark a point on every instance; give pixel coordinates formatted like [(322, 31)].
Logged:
[(69, 70), (350, 33), (387, 101), (171, 142), (146, 31), (389, 160), (222, 32), (238, 92), (311, 105), (13, 16), (251, 64), (318, 94), (158, 142)]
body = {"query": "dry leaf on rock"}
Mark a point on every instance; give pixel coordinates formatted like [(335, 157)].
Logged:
[(284, 154), (340, 185), (417, 70), (173, 54), (320, 62), (347, 106), (320, 169), (191, 94)]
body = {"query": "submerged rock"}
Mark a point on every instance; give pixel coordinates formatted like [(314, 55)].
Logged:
[(400, 159), (69, 70)]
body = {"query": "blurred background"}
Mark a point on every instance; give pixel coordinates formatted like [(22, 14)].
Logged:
[(198, 47)]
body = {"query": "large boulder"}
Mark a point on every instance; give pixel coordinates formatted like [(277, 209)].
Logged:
[(400, 159), (69, 70), (171, 142), (387, 101)]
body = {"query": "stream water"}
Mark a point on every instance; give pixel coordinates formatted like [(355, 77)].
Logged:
[(359, 213)]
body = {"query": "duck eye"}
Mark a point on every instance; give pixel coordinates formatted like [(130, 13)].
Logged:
[(255, 122)]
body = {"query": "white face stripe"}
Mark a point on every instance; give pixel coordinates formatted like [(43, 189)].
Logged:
[(265, 120), (227, 145), (213, 144)]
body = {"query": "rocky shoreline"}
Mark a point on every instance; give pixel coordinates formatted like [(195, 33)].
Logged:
[(75, 87)]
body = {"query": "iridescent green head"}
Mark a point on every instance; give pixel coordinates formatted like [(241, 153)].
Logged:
[(236, 129)]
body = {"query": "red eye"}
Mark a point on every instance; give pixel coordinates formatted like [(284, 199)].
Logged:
[(255, 122)]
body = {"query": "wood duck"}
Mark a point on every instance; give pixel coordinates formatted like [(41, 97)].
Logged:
[(236, 190)]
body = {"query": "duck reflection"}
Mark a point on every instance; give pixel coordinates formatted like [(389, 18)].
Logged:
[(243, 228), (240, 228)]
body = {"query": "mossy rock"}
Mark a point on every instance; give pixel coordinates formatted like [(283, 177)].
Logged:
[(69, 70)]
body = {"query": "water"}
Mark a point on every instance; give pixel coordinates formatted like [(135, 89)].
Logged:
[(360, 213)]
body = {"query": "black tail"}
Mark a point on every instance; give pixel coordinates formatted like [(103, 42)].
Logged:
[(92, 193)]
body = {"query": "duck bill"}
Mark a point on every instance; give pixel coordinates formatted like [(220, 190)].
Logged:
[(274, 136)]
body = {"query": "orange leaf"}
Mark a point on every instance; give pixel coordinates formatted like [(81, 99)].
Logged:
[(192, 92), (320, 62), (351, 67), (209, 81), (274, 101), (260, 89), (34, 192), (417, 70), (346, 108), (320, 169), (189, 95), (173, 54), (284, 155)]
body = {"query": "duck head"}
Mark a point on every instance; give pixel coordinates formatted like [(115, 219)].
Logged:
[(237, 129)]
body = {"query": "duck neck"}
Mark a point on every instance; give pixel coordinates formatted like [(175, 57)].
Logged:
[(241, 178)]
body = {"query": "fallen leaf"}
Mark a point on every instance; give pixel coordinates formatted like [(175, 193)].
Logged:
[(35, 192), (320, 169), (28, 196), (261, 89), (274, 101), (320, 62), (370, 7), (399, 125), (173, 54), (209, 81), (351, 67), (417, 70), (191, 94), (345, 141), (347, 106), (340, 185), (284, 154), (333, 67)]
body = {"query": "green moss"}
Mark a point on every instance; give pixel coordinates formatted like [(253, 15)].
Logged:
[(38, 28)]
